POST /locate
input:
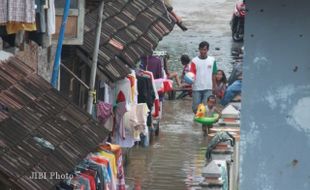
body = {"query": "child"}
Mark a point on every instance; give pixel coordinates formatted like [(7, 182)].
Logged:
[(185, 61), (220, 87), (171, 75), (210, 110)]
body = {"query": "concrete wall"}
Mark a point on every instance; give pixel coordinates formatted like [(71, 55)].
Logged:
[(46, 61), (39, 58), (275, 134)]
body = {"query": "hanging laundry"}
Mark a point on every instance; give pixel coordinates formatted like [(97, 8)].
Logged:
[(146, 94), (116, 149), (129, 119), (141, 126), (18, 15), (112, 160), (119, 130), (14, 27), (109, 96), (51, 18), (107, 171), (120, 97), (105, 114), (123, 91), (21, 11), (135, 123), (3, 11), (146, 91), (100, 170), (133, 87)]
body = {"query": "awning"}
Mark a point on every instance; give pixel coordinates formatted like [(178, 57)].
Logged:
[(40, 130), (130, 29)]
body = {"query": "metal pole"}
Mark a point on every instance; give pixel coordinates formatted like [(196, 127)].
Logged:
[(74, 75), (59, 45), (95, 59)]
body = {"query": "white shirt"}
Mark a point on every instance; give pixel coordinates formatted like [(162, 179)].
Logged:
[(203, 70)]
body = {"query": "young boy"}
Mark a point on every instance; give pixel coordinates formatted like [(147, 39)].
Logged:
[(185, 61), (210, 110)]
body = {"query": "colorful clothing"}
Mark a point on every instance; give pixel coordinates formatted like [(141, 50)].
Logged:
[(116, 149), (106, 170), (112, 160)]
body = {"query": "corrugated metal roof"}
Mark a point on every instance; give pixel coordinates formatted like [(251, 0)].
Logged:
[(130, 29), (33, 109)]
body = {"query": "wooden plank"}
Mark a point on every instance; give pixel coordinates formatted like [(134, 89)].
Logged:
[(71, 27)]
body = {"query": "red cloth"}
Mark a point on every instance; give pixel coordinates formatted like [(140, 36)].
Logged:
[(120, 97), (91, 180), (193, 68), (157, 108), (167, 86)]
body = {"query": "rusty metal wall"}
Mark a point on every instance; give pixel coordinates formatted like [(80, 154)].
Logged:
[(275, 125)]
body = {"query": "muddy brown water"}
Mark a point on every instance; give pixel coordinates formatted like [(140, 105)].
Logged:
[(174, 159)]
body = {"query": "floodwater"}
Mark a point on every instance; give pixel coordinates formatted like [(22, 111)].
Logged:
[(174, 159)]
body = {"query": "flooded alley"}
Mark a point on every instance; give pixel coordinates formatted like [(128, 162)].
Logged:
[(99, 95), (175, 158)]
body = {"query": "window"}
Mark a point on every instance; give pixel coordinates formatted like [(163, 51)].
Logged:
[(75, 23)]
